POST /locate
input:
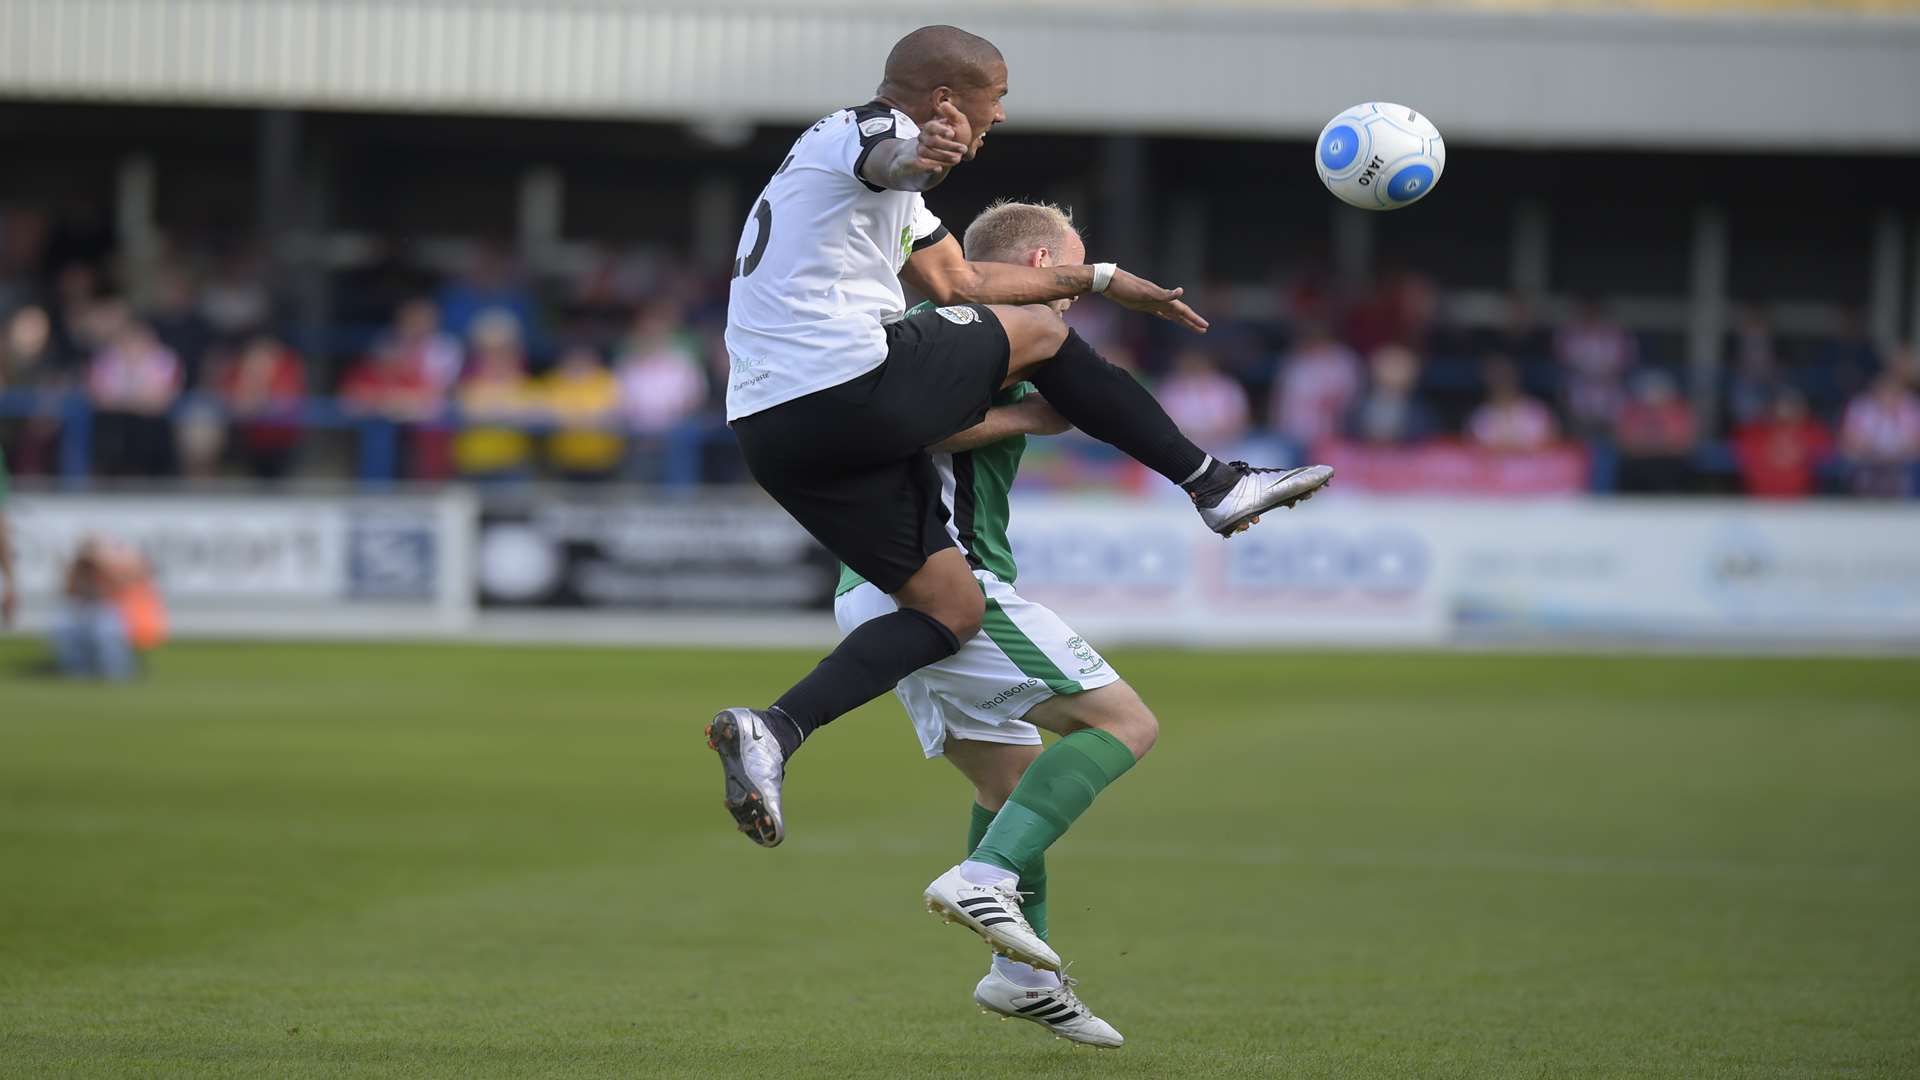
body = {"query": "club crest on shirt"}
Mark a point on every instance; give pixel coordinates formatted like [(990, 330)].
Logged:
[(876, 125), (958, 315)]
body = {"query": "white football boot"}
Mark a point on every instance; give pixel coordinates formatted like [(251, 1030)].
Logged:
[(1261, 490), (993, 912), (754, 767), (1052, 1007)]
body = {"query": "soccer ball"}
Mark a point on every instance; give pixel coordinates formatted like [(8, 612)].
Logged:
[(1379, 156)]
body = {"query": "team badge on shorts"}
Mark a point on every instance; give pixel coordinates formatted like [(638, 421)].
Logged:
[(1084, 653), (959, 316)]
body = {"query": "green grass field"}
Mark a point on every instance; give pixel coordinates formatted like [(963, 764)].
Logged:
[(288, 861)]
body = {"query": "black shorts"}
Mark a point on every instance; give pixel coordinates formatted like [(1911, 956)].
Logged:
[(850, 462)]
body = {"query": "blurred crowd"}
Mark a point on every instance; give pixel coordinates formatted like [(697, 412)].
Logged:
[(482, 375), (1385, 371), (615, 370)]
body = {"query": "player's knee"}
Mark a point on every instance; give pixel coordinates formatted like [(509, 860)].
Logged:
[(994, 793), (945, 591), (1053, 334), (1141, 730), (1049, 335), (959, 610), (1128, 719), (1034, 334), (965, 614)]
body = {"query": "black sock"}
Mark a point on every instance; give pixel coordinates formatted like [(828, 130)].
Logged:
[(1213, 483), (1110, 405), (868, 662)]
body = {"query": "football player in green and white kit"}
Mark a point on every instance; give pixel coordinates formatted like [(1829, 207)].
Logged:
[(983, 707)]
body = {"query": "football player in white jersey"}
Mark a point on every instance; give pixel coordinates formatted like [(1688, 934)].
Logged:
[(834, 392)]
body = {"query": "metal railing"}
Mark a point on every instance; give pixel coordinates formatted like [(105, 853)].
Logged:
[(378, 438)]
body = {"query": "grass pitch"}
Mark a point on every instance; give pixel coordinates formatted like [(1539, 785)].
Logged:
[(290, 861)]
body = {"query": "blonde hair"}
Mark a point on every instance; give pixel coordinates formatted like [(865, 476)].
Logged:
[(1008, 229)]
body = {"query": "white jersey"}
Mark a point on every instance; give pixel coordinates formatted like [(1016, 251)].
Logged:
[(817, 273)]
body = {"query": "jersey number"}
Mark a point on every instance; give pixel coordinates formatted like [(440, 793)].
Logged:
[(763, 217)]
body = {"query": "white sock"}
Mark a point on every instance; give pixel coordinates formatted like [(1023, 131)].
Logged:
[(1025, 974), (983, 873)]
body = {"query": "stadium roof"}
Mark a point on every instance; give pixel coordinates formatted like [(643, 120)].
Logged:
[(1573, 78)]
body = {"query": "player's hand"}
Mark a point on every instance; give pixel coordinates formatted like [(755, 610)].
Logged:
[(1040, 418), (1136, 293), (945, 139)]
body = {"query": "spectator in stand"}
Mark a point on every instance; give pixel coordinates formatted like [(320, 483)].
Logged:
[(177, 321), (1400, 311), (1844, 365), (1881, 434), (620, 279), (1594, 353), (29, 365), (132, 384), (372, 289), (1391, 413), (1657, 436), (661, 382), (263, 389), (1509, 421), (490, 288), (407, 379), (1318, 382), (1780, 454), (75, 310), (1520, 335), (235, 301), (583, 399), (429, 354), (1209, 405), (1753, 370), (496, 401), (23, 236), (113, 614)]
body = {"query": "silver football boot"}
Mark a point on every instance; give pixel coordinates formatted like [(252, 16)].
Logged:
[(754, 767), (1261, 490)]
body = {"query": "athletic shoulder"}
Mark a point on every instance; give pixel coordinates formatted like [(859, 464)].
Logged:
[(872, 124)]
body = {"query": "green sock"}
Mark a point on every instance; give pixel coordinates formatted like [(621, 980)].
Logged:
[(1033, 876), (1057, 788)]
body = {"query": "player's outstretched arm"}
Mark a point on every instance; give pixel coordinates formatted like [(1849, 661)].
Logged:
[(920, 164), (1029, 416), (942, 273)]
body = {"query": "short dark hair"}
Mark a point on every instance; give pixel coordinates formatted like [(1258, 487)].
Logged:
[(940, 56)]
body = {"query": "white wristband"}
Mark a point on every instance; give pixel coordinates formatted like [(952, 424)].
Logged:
[(1103, 276)]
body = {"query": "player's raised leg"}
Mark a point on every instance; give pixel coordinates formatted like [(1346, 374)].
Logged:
[(940, 607), (1110, 404)]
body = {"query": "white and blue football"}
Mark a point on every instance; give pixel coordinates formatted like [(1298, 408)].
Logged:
[(1379, 156)]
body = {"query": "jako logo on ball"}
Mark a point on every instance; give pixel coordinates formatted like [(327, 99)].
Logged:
[(1379, 156)]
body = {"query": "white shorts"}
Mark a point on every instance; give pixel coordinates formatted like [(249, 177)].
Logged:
[(1023, 655)]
